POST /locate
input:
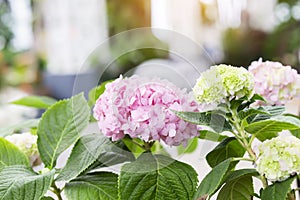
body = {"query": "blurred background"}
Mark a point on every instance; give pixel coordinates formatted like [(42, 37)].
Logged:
[(61, 47)]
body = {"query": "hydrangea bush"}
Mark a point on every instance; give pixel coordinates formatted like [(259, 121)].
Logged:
[(139, 117)]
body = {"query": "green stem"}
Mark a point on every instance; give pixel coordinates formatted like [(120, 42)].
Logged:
[(251, 140), (264, 181), (147, 146), (245, 159), (57, 191), (242, 136)]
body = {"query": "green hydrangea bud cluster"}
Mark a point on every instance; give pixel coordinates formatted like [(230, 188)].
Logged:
[(223, 82), (279, 158)]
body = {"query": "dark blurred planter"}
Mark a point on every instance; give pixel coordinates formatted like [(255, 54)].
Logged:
[(67, 85)]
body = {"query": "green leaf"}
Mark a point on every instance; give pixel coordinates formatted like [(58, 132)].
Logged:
[(257, 97), (212, 136), (31, 123), (270, 128), (47, 198), (217, 122), (190, 147), (158, 148), (244, 114), (135, 149), (228, 148), (11, 155), (157, 177), (20, 183), (91, 149), (95, 93), (60, 126), (272, 111), (241, 172), (240, 188), (35, 101), (277, 191), (94, 186), (113, 153), (296, 133), (213, 180)]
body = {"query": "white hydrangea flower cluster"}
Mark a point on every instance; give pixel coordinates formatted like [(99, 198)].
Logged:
[(27, 143), (223, 82), (279, 158)]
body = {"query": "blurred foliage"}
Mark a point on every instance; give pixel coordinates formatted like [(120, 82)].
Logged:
[(5, 31), (284, 43), (15, 66), (125, 15), (5, 36), (241, 46), (290, 2)]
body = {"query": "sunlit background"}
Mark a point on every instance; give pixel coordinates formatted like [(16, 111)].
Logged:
[(45, 43)]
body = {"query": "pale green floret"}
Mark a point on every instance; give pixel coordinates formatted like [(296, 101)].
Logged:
[(279, 158), (237, 81), (223, 82), (209, 88)]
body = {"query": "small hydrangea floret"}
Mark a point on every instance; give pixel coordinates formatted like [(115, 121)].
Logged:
[(279, 158)]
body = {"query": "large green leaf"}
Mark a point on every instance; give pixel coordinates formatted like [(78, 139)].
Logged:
[(270, 128), (17, 182), (213, 180), (212, 136), (35, 101), (92, 151), (157, 177), (11, 155), (60, 127), (240, 188), (94, 186), (228, 148), (27, 124), (216, 121), (277, 191)]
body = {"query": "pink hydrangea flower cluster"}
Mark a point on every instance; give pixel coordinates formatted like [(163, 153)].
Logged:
[(141, 108), (278, 84)]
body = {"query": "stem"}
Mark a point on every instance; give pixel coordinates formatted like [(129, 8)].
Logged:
[(245, 159), (251, 140), (147, 146), (57, 191), (264, 181), (242, 136)]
